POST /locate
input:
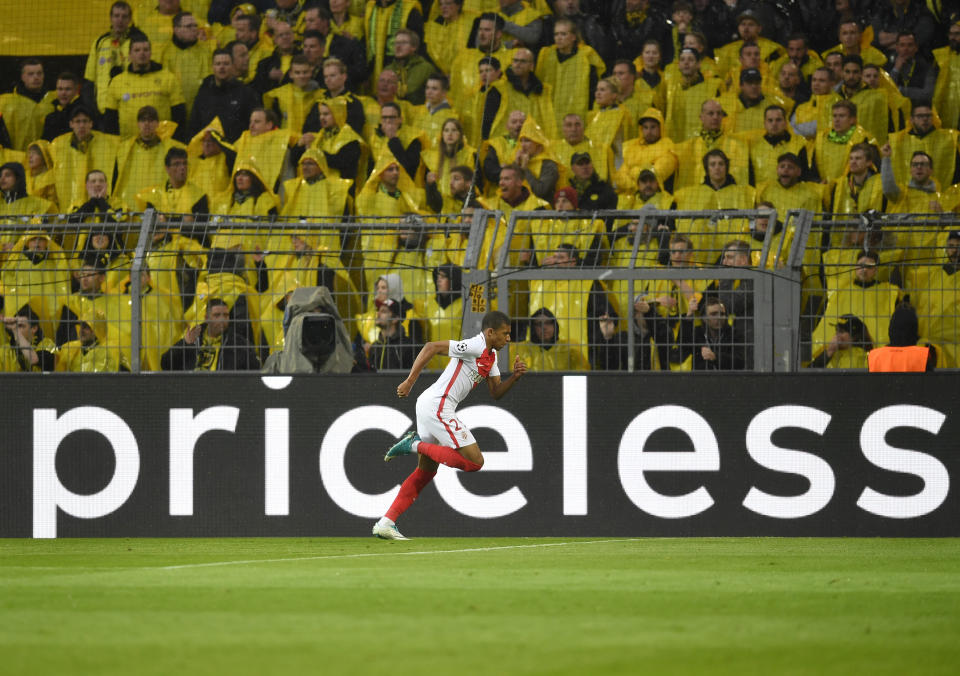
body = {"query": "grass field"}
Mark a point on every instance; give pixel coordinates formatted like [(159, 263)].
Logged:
[(485, 606)]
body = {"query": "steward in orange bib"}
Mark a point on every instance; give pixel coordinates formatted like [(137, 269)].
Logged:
[(903, 353)]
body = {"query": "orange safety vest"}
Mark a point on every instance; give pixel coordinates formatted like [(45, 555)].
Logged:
[(898, 359)]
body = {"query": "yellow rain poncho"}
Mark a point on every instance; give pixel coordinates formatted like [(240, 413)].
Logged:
[(638, 155), (569, 79), (41, 281), (44, 184), (377, 247), (71, 163)]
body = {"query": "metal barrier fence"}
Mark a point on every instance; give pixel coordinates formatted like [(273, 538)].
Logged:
[(868, 265), (618, 290)]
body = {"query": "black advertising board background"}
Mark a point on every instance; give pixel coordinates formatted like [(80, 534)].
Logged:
[(229, 468)]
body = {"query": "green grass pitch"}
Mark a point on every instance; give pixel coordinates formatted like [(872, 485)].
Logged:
[(480, 606)]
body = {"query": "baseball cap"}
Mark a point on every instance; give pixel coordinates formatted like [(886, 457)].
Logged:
[(750, 75), (580, 158)]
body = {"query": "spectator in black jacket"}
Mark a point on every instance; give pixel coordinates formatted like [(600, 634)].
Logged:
[(317, 23), (68, 95), (211, 346), (222, 95), (592, 193), (591, 30), (893, 17), (633, 22), (270, 70), (393, 349), (716, 346)]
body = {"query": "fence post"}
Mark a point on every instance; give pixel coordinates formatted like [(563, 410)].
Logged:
[(147, 224)]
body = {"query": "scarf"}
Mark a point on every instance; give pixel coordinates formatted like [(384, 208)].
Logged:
[(710, 136), (835, 137), (634, 19), (148, 144), (395, 194), (395, 24)]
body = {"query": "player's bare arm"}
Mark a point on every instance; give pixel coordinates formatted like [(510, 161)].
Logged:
[(429, 351), (498, 387)]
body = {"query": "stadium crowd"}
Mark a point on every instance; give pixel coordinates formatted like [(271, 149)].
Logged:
[(313, 112)]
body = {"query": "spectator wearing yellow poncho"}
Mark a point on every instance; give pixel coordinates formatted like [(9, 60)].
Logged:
[(36, 272), (571, 68), (650, 150), (389, 192), (450, 150), (691, 171), (209, 163), (519, 89), (541, 169), (608, 123), (140, 159), (686, 95), (946, 93), (78, 153), (41, 180), (719, 190), (344, 149), (832, 146), (546, 350), (266, 145), (574, 140), (247, 201), (15, 204)]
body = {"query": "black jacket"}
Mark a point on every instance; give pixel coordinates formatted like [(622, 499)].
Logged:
[(629, 39), (232, 102), (597, 195), (235, 355)]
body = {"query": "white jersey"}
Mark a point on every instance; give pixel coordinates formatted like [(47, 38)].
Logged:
[(471, 362)]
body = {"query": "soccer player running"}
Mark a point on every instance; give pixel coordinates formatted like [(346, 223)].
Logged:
[(472, 361)]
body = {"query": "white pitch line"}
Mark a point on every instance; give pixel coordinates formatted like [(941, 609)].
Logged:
[(380, 554)]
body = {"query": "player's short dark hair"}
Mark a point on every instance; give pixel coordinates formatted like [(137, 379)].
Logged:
[(215, 302), (81, 110), (299, 60), (316, 35), (922, 154), (174, 154), (29, 62), (442, 79), (494, 320), (738, 245), (849, 106), (69, 75), (631, 66), (716, 152), (148, 113), (179, 17), (223, 51), (253, 21), (853, 58), (137, 38), (464, 171), (498, 21)]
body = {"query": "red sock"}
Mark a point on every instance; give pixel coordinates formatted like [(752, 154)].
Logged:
[(446, 455), (409, 491)]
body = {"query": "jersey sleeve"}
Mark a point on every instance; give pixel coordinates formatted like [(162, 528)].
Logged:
[(494, 368), (470, 348)]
